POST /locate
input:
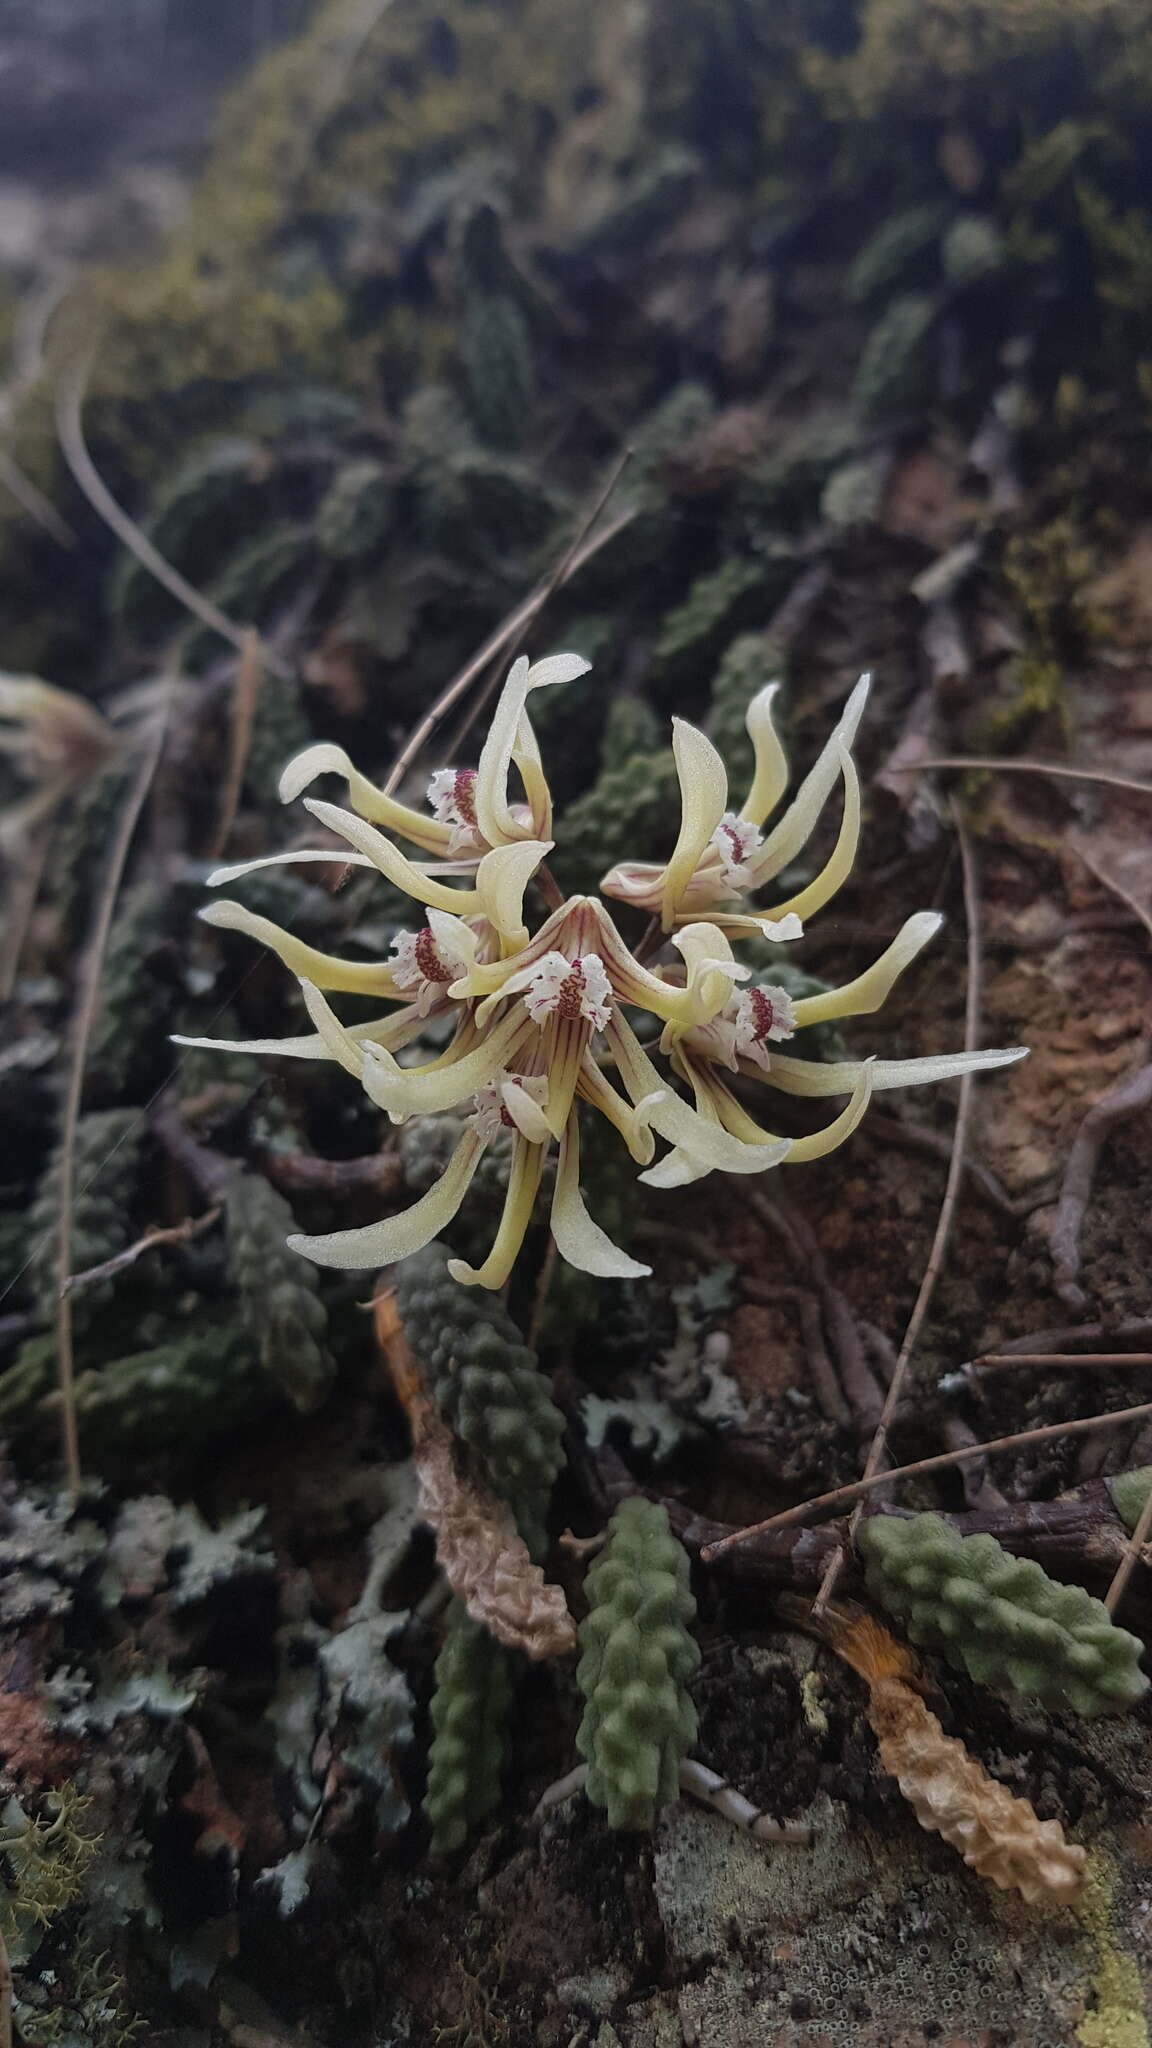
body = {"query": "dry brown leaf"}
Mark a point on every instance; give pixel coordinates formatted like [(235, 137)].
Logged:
[(483, 1557), (998, 1835)]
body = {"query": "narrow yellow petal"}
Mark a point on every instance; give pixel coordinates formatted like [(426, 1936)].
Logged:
[(703, 782), (697, 1140), (737, 1120), (424, 1091), (355, 977), (632, 1123), (393, 1031), (397, 1237), (861, 997), (501, 879), (519, 1201), (526, 756), (338, 1043), (770, 778), (490, 789), (370, 802), (578, 1239), (333, 856), (833, 876), (840, 1077), (390, 862), (565, 1043), (796, 826)]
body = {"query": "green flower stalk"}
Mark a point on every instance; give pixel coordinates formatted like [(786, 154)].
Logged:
[(539, 1017)]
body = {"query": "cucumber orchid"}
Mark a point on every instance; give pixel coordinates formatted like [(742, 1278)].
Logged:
[(539, 1017)]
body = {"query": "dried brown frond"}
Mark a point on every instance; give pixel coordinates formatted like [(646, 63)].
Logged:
[(484, 1558), (998, 1835)]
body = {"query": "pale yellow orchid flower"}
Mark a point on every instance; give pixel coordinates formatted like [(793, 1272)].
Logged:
[(539, 1016)]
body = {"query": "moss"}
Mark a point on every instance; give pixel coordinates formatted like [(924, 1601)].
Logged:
[(896, 376), (717, 606)]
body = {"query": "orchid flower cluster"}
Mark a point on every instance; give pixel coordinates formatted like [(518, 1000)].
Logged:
[(542, 1021)]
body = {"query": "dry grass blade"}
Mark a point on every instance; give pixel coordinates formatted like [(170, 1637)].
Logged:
[(516, 623), (994, 766), (1092, 1361), (88, 998), (1131, 1558), (70, 429), (246, 686), (936, 1256), (841, 1496)]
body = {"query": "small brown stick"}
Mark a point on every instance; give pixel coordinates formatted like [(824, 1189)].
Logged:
[(246, 686), (1093, 1361), (878, 1451), (1025, 767), (179, 1233), (517, 622), (857, 1488), (382, 1172), (85, 1017), (1126, 1100), (559, 575), (1137, 1543)]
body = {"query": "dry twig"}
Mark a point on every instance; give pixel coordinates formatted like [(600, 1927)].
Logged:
[(1025, 767), (87, 1001), (1137, 1543), (840, 1496), (178, 1233), (70, 429), (246, 686), (879, 1447)]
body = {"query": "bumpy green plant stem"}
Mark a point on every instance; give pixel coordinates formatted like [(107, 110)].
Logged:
[(638, 1657), (1000, 1618)]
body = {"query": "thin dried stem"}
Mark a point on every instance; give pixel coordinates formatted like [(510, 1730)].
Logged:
[(1132, 1555), (88, 999), (70, 429), (516, 623), (178, 1233), (879, 1447), (246, 686), (557, 577), (1094, 1361), (840, 1496), (993, 765)]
